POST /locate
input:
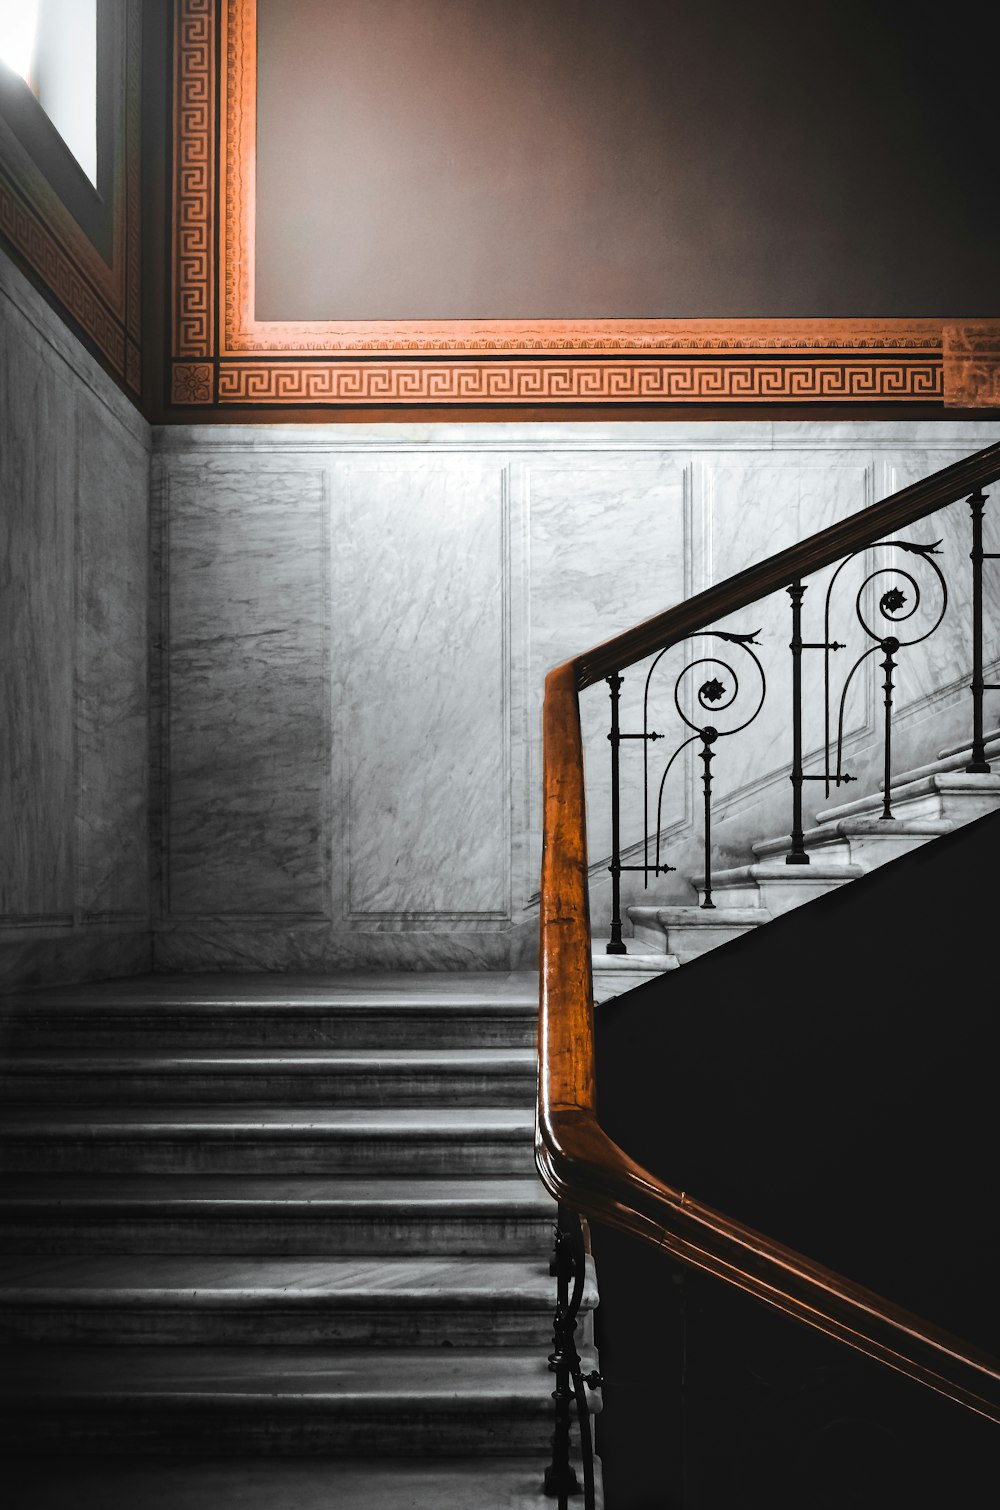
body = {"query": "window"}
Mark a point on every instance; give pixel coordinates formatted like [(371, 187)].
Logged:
[(52, 45)]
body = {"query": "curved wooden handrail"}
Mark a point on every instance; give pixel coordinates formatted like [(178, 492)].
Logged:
[(579, 1164)]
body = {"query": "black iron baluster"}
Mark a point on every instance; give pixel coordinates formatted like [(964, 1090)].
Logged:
[(615, 943), (708, 736), (568, 1265), (560, 1477), (797, 855), (890, 646), (978, 765)]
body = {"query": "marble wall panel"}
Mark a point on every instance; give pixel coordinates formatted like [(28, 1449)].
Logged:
[(248, 729), (609, 546), (112, 690), (37, 628), (421, 688), (463, 563), (74, 488)]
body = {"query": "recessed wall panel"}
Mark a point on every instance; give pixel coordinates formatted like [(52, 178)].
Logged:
[(37, 631), (248, 697), (111, 692), (421, 688)]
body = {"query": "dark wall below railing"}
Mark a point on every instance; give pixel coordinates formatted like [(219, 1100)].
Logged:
[(829, 1080)]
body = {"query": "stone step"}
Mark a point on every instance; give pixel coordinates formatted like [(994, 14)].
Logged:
[(272, 1483), (869, 841), (615, 973), (344, 1077), (353, 1402), (254, 1214), (990, 736), (691, 931), (348, 1301), (776, 887), (389, 1140), (419, 1010), (954, 796)]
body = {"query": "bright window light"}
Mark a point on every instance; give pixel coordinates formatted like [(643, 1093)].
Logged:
[(18, 28), (52, 45)]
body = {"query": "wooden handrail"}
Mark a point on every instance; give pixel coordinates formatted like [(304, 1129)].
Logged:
[(579, 1164)]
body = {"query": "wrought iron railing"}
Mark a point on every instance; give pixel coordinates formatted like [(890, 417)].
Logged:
[(722, 691), (901, 601)]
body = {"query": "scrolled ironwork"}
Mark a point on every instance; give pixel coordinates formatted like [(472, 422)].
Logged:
[(715, 696), (568, 1267), (719, 690), (978, 764), (896, 608)]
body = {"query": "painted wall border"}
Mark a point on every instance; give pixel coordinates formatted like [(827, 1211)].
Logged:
[(222, 355)]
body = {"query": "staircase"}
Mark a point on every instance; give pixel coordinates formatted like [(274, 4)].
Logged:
[(846, 842), (276, 1241)]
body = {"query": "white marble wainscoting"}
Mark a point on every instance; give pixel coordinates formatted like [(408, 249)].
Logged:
[(355, 622), (74, 569)]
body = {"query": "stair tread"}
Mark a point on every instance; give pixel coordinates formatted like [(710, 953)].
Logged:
[(417, 991), (862, 825), (718, 917), (477, 1377), (443, 1121), (442, 1283), (178, 1061), (262, 1483), (955, 782), (358, 1192), (991, 736), (829, 870), (652, 962)]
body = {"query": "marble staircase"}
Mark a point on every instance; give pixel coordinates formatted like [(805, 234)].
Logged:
[(265, 1221), (846, 842)]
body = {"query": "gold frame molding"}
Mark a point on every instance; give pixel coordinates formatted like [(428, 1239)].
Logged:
[(223, 355), (102, 297)]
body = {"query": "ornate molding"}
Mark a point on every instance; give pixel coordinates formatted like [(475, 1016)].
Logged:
[(194, 108), (321, 362), (559, 382), (972, 365), (191, 383)]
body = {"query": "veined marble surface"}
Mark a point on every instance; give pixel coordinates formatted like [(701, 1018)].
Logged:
[(247, 728), (462, 562), (74, 484)]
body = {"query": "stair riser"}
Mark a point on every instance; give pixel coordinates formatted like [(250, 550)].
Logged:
[(230, 1030), (309, 1325), (268, 1155), (694, 940), (958, 807), (611, 984), (68, 1088), (774, 897), (955, 798), (873, 850), (276, 1233), (337, 1426)]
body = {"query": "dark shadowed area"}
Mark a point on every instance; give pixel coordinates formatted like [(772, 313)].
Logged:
[(839, 1096)]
